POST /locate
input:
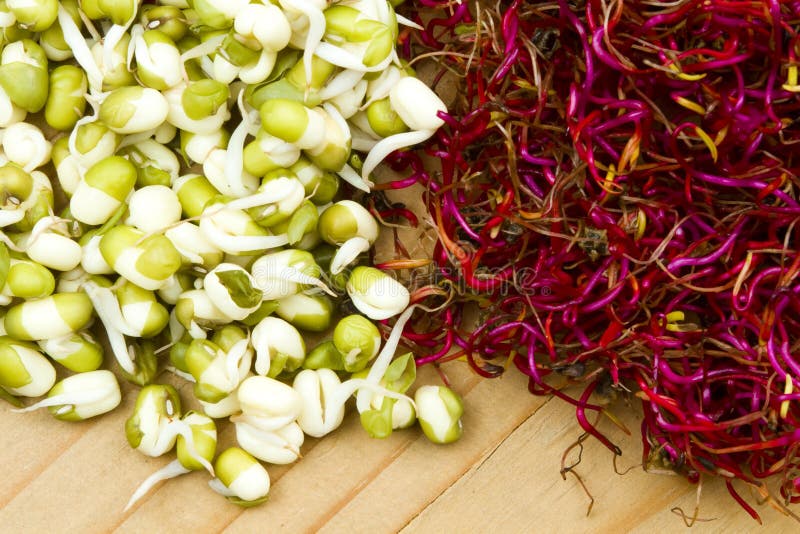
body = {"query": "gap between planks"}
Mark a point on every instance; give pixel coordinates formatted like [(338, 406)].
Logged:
[(424, 471), (472, 469)]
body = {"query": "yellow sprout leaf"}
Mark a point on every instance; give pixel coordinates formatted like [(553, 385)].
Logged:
[(683, 76), (787, 390)]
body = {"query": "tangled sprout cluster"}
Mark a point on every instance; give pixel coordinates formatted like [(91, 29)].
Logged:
[(618, 198)]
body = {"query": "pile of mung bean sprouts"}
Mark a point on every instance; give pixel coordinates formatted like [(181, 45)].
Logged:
[(193, 208)]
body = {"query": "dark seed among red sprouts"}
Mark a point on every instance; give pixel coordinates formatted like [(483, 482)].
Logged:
[(618, 203)]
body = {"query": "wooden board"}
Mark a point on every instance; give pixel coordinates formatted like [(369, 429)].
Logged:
[(503, 475)]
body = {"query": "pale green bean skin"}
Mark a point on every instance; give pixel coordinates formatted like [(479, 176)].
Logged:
[(65, 101)]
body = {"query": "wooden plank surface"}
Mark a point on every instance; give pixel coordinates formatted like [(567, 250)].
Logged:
[(502, 476)]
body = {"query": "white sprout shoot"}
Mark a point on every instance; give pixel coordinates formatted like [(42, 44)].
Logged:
[(171, 470), (347, 253), (66, 400), (81, 52), (362, 182), (336, 55), (342, 82), (107, 308), (386, 146), (384, 358), (234, 162)]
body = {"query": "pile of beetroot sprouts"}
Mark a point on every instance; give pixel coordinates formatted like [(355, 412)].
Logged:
[(616, 200)]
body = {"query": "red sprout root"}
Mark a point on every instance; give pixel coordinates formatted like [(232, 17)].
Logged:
[(616, 201)]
